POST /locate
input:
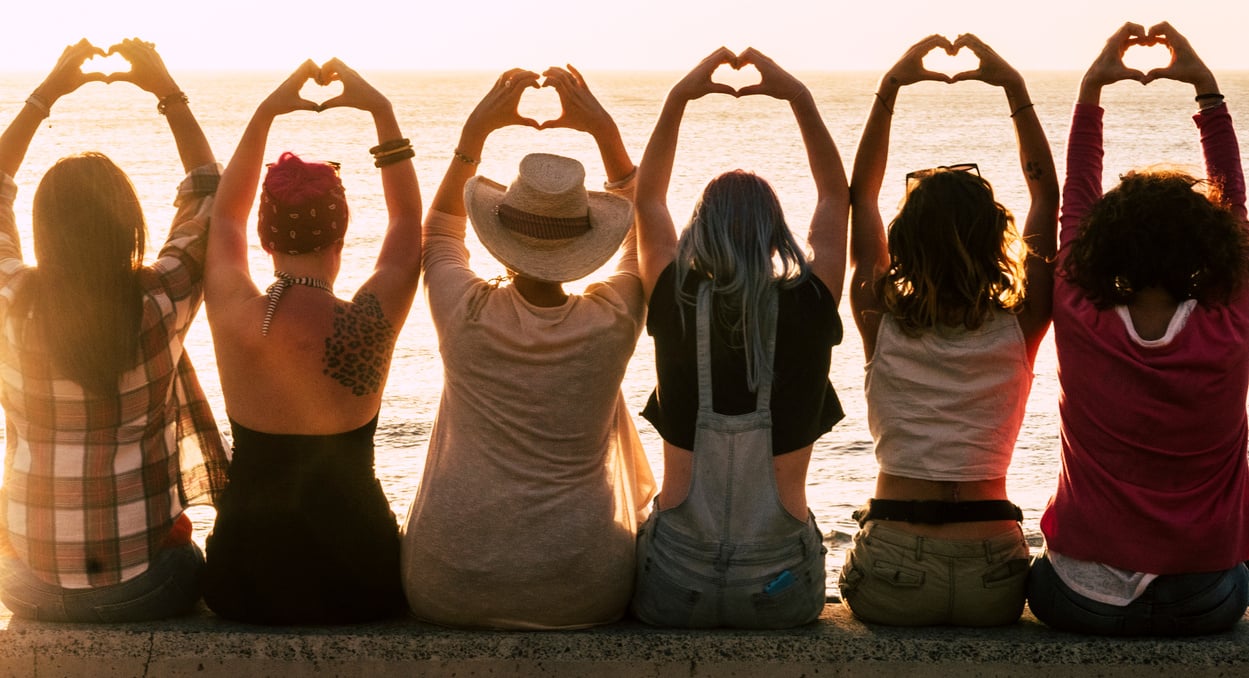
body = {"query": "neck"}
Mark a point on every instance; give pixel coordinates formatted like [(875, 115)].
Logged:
[(318, 265), (540, 292)]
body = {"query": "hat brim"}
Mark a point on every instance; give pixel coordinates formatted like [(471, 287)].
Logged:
[(564, 260)]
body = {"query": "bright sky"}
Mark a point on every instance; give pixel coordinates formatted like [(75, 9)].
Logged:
[(669, 35)]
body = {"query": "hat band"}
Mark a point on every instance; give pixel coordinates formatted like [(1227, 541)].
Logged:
[(540, 226)]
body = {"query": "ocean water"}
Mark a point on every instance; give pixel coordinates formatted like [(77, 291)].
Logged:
[(934, 124)]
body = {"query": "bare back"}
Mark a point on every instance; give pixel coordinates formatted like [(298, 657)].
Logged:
[(320, 370)]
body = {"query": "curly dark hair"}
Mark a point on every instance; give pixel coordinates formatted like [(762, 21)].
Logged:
[(954, 254), (1159, 228)]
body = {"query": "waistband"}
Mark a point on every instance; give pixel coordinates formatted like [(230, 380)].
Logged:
[(878, 533), (930, 512)]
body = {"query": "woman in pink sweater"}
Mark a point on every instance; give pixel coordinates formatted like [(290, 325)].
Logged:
[(1147, 531)]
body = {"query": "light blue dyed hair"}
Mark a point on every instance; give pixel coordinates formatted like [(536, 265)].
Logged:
[(738, 238)]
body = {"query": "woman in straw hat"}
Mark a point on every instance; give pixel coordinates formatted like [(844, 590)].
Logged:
[(304, 533), (109, 436), (535, 477), (743, 324)]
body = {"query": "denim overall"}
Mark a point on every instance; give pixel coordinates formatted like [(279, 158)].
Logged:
[(730, 554)]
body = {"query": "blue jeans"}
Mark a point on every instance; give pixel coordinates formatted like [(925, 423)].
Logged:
[(1172, 605), (170, 587)]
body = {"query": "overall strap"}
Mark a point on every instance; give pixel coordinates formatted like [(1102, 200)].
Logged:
[(703, 314), (768, 316), (763, 396)]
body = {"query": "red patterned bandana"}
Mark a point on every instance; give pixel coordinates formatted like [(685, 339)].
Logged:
[(299, 229)]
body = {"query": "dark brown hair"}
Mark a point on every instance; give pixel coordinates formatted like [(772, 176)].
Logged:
[(954, 254), (1158, 228), (85, 296)]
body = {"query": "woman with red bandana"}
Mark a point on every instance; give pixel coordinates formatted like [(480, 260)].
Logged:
[(304, 533)]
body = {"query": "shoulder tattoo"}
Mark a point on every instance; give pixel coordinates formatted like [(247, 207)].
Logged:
[(358, 354)]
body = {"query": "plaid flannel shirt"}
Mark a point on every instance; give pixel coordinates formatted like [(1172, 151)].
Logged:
[(93, 485)]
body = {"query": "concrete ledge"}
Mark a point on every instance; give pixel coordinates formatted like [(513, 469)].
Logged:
[(837, 645)]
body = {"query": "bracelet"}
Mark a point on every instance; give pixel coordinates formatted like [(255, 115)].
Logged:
[(1021, 109), (394, 157), (883, 104), (37, 102), (178, 97), (1208, 95), (392, 145), (466, 159), (398, 149)]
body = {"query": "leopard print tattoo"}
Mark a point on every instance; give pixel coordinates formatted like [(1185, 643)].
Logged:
[(358, 354)]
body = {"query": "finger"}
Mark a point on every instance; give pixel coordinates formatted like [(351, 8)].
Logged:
[(577, 74), (721, 88), (750, 90), (938, 77), (95, 77), (1153, 74), (1162, 29), (553, 124), (965, 76), (340, 101), (528, 122), (1130, 30)]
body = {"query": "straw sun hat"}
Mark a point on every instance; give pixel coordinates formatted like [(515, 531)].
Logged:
[(546, 226)]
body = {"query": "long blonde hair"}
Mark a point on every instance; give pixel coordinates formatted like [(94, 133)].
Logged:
[(738, 238)]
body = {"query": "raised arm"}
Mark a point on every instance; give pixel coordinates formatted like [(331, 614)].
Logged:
[(657, 237), (827, 235), (1082, 186), (496, 110), (148, 72), (869, 248), (1218, 140), (398, 267), (583, 112), (66, 76), (1040, 231), (227, 279)]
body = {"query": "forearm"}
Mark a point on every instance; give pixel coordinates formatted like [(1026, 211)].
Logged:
[(402, 245), (193, 147), (1222, 156), (1037, 162), (16, 138), (1083, 185), (867, 236), (616, 160), (826, 165), (655, 170), (399, 182), (227, 239)]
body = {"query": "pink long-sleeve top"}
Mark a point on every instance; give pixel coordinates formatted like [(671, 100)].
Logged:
[(1154, 475)]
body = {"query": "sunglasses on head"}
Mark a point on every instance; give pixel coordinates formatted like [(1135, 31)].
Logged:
[(913, 178)]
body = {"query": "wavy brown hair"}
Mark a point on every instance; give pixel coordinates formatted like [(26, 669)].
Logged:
[(85, 295), (1159, 227), (954, 254)]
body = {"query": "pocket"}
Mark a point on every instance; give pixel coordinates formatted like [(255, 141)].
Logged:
[(660, 599), (796, 604), (1010, 573), (898, 575)]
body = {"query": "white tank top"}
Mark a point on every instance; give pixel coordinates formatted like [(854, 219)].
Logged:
[(947, 405)]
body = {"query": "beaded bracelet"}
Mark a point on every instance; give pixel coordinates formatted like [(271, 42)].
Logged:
[(465, 158), (1208, 95), (178, 97)]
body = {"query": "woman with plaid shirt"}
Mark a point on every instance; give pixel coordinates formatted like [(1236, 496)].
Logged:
[(108, 435)]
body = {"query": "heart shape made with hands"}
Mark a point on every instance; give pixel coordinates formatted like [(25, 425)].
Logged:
[(320, 93), (1146, 54), (941, 61), (737, 76), (541, 104), (108, 66)]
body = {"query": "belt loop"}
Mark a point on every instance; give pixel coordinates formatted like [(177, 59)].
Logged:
[(919, 548), (988, 551)]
